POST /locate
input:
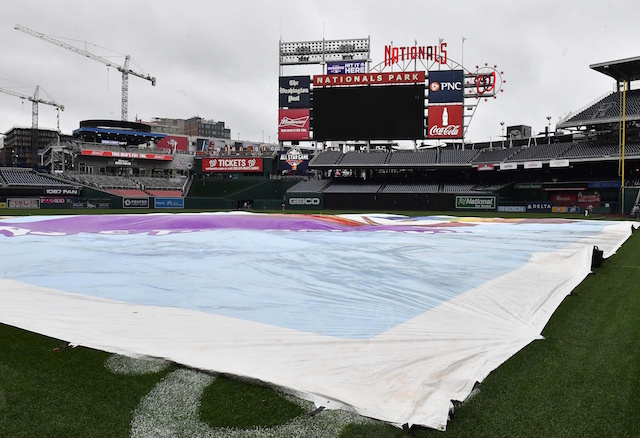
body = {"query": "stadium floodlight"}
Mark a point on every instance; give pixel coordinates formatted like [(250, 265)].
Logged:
[(323, 51)]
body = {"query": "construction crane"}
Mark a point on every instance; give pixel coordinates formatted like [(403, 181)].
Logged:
[(35, 100), (124, 69)]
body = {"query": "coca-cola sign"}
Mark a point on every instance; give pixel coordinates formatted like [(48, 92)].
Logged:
[(445, 121)]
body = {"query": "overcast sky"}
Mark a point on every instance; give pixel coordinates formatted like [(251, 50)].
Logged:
[(219, 59)]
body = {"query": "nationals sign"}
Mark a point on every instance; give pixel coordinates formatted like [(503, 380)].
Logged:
[(406, 77), (232, 165), (445, 121)]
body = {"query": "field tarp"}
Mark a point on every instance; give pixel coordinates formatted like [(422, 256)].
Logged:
[(390, 316)]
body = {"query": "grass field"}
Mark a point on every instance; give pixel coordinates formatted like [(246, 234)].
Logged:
[(582, 380)]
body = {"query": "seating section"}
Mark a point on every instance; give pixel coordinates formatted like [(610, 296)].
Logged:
[(410, 188), (414, 158), (607, 108), (15, 176), (164, 193), (493, 155), (128, 192), (351, 186), (155, 183), (134, 186), (540, 152), (364, 158), (309, 186), (327, 157), (106, 181), (596, 150), (458, 188), (457, 156)]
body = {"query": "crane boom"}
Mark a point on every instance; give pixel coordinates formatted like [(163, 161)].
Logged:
[(35, 101), (124, 69)]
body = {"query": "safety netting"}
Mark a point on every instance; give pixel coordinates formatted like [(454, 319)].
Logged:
[(390, 316)]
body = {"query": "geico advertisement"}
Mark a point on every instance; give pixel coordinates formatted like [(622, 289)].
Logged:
[(305, 202)]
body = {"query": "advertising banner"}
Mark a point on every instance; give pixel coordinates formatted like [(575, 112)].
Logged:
[(168, 203), (533, 164), (540, 207), (66, 191), (54, 200), (294, 91), (512, 208), (305, 201), (118, 154), (174, 143), (604, 184), (210, 144), (560, 198), (135, 203), (446, 86), (293, 124), (91, 203), (341, 68), (485, 166), (475, 202), (589, 200), (559, 163), (445, 121), (407, 77), (232, 165), (293, 162), (508, 166), (565, 209), (23, 203)]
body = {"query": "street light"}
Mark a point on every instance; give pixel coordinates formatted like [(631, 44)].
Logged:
[(502, 125), (548, 129)]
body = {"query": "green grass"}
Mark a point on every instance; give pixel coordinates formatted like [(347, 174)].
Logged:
[(582, 380), (47, 390), (223, 411)]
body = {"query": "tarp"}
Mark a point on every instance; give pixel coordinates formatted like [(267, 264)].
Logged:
[(390, 316)]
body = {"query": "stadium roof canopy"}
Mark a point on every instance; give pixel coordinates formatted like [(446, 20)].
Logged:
[(621, 70), (116, 130)]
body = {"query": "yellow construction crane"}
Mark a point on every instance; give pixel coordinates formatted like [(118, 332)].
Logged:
[(35, 101), (124, 69)]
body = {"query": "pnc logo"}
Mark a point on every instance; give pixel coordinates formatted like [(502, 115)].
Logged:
[(445, 86), (451, 86)]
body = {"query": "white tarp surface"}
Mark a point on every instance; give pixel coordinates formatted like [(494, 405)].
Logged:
[(389, 316)]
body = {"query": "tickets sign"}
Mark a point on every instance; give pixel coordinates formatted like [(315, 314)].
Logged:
[(232, 165)]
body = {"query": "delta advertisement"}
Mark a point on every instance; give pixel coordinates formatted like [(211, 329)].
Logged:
[(293, 124), (445, 121), (244, 165), (446, 86), (295, 91)]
